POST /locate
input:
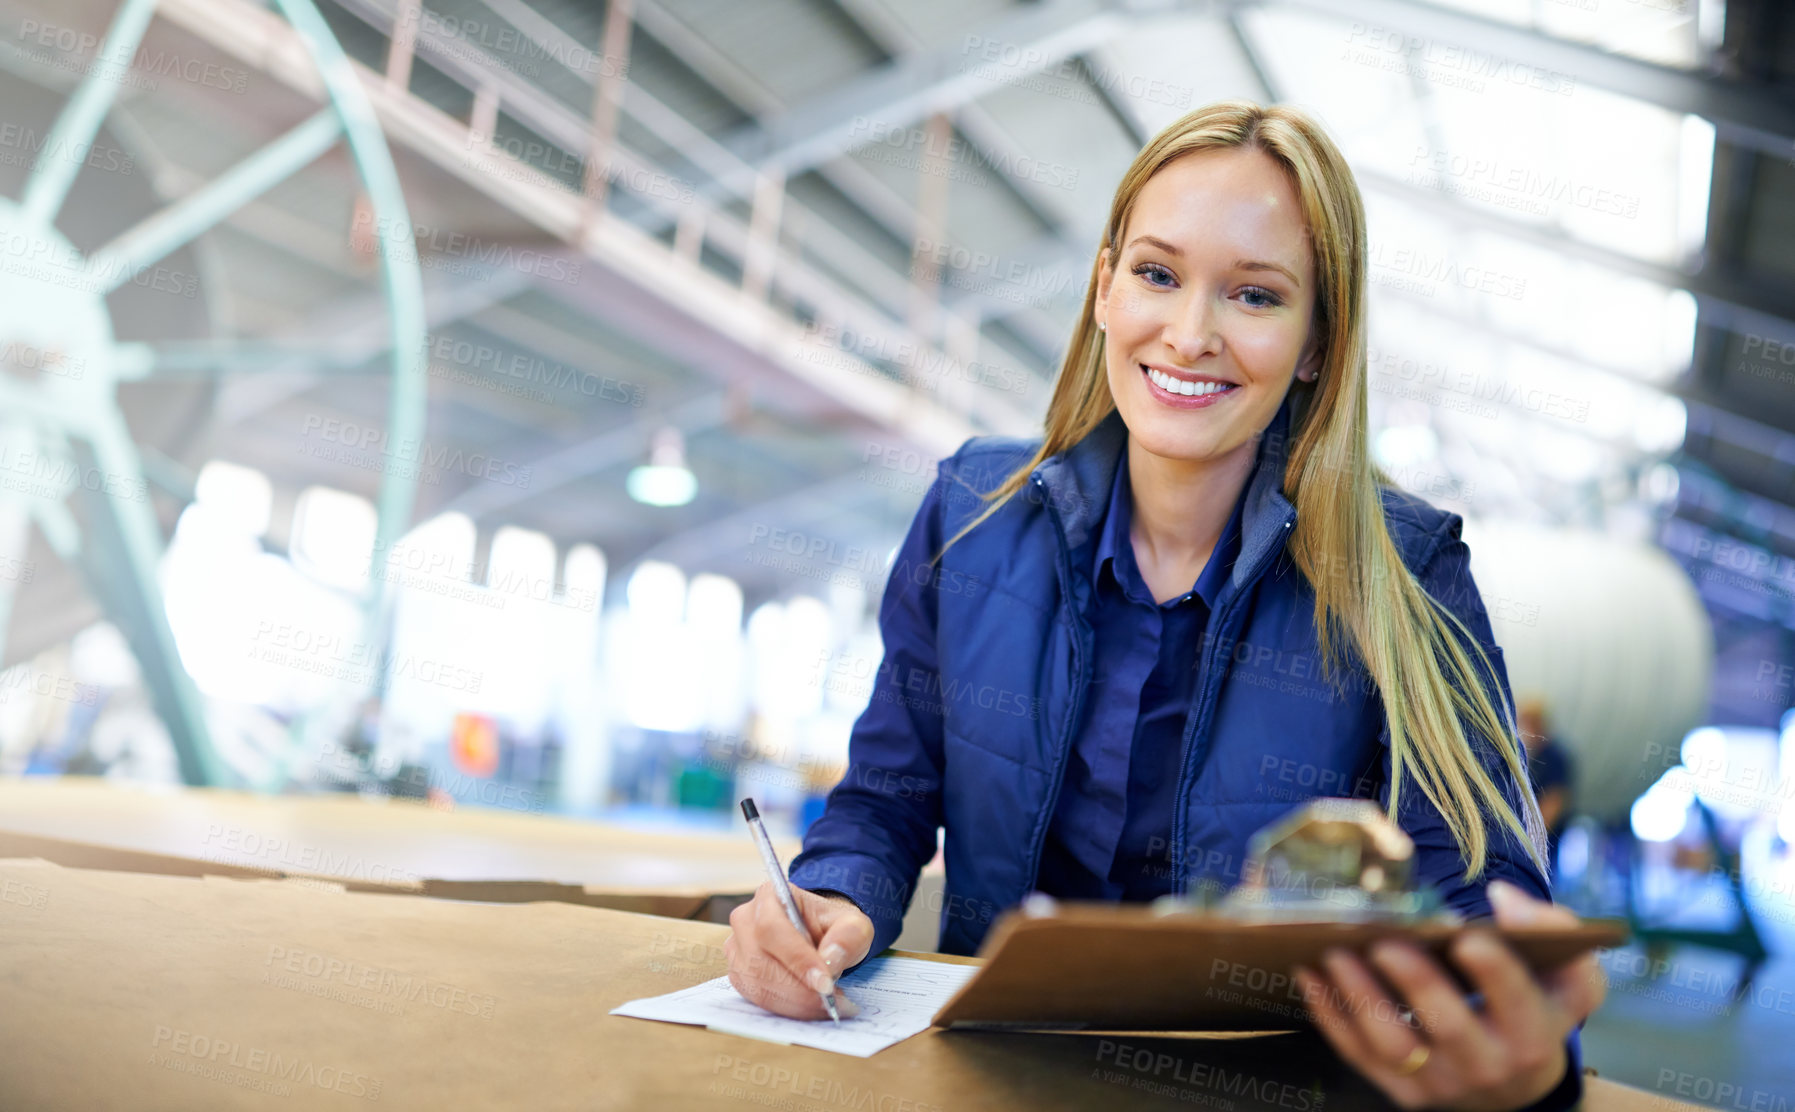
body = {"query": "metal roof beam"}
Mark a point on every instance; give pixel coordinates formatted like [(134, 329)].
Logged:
[(355, 329), (481, 499), (886, 208), (1744, 113), (983, 131), (1726, 300), (915, 86), (706, 544), (893, 213), (752, 337)]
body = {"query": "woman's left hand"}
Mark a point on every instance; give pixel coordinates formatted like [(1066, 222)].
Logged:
[(1505, 1055)]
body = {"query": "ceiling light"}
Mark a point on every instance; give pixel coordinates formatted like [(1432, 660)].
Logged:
[(664, 480)]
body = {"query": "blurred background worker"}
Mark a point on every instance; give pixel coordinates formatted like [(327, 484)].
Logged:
[(1549, 767)]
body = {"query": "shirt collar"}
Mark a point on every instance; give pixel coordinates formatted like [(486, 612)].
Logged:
[(1075, 483), (1113, 543)]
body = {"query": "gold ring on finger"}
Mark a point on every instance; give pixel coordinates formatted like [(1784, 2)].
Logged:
[(1416, 1059)]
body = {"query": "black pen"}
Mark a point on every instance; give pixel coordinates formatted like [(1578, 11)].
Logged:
[(781, 887)]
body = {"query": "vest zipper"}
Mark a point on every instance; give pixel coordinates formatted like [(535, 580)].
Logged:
[(1080, 682), (1199, 723)]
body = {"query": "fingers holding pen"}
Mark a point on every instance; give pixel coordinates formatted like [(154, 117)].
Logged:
[(780, 939), (774, 966)]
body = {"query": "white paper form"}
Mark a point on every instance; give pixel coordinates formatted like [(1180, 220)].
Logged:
[(897, 997)]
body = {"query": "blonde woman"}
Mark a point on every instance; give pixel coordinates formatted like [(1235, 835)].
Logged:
[(1114, 652)]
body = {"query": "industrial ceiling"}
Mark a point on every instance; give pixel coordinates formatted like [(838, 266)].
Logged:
[(845, 234)]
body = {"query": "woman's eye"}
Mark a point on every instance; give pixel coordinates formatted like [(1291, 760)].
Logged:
[(1270, 299), (1154, 273)]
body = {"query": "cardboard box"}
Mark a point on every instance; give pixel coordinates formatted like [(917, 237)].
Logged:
[(141, 991), (378, 845)]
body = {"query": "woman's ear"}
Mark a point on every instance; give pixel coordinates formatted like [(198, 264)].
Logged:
[(1308, 364)]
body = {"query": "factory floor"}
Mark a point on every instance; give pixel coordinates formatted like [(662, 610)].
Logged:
[(1689, 1034), (1686, 1021)]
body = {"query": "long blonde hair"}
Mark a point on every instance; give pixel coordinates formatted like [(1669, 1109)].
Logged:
[(1407, 641)]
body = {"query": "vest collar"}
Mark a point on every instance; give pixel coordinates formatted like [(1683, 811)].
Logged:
[(1077, 484)]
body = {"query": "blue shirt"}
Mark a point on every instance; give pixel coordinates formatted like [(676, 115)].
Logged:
[(1111, 831)]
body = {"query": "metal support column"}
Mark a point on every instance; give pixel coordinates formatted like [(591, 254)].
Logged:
[(607, 98)]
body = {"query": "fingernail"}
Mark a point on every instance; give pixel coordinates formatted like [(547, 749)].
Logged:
[(1306, 980), (820, 981), (1480, 945), (833, 955), (1510, 902), (845, 1006)]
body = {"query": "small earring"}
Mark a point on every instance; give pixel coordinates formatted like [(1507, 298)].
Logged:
[(1101, 327)]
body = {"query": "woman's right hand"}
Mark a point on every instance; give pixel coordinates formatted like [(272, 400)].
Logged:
[(774, 966)]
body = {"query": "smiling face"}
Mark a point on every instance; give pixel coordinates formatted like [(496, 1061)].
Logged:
[(1207, 305)]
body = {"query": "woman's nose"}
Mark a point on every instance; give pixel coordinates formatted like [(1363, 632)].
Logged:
[(1191, 331)]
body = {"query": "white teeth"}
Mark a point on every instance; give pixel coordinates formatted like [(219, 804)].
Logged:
[(1180, 386)]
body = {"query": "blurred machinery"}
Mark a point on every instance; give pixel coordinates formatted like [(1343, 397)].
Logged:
[(1611, 636), (89, 489)]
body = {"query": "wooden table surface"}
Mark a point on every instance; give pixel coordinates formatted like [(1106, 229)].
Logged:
[(139, 991)]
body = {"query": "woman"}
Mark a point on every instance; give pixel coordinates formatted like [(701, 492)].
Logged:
[(1114, 653)]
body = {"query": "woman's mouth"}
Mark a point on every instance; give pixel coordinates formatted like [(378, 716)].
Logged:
[(1184, 393)]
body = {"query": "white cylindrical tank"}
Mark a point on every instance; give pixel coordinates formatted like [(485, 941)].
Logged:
[(1611, 635)]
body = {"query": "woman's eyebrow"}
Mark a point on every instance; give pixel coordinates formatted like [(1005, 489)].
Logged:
[(1155, 241), (1239, 264), (1261, 264)]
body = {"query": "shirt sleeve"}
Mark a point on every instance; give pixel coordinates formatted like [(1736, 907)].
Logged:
[(879, 825), (1568, 1093)]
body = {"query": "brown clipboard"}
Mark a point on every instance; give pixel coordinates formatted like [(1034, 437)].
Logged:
[(1127, 968)]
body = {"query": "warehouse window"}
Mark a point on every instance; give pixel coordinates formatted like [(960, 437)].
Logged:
[(656, 667), (333, 537), (237, 495), (788, 650), (440, 550), (521, 564), (585, 579), (248, 626), (714, 616)]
